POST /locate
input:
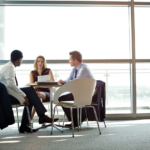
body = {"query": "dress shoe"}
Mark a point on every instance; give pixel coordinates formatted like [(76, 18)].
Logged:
[(85, 119), (44, 125), (27, 129), (46, 119)]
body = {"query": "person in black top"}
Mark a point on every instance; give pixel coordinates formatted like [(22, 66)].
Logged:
[(40, 67)]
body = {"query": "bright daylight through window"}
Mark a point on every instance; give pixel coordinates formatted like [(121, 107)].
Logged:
[(104, 31), (103, 34)]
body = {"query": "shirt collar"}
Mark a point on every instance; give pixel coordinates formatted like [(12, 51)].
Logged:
[(11, 64), (78, 68)]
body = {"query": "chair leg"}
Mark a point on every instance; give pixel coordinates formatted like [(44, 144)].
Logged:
[(29, 117), (104, 124), (64, 119), (49, 110), (71, 112), (78, 117), (17, 117), (96, 119), (32, 123), (53, 120), (86, 117), (58, 115)]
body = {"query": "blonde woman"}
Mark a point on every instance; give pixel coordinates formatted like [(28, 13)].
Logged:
[(40, 67)]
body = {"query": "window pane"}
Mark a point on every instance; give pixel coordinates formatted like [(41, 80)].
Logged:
[(117, 79), (143, 87), (142, 32), (97, 32)]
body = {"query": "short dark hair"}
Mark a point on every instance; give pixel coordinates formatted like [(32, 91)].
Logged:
[(15, 55), (76, 55)]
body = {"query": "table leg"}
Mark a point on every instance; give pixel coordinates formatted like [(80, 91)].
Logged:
[(51, 105), (51, 102)]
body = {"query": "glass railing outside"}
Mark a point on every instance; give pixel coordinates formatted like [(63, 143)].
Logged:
[(143, 87), (118, 87), (118, 96)]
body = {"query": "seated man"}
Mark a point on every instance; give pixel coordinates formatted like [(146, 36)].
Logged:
[(80, 70), (8, 78)]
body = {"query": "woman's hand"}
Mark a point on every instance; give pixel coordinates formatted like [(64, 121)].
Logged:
[(35, 83)]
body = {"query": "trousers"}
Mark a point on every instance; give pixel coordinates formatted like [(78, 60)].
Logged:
[(33, 101), (69, 97)]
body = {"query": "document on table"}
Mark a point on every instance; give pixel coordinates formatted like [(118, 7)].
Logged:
[(44, 78)]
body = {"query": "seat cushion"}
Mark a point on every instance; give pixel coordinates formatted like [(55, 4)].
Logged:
[(66, 103)]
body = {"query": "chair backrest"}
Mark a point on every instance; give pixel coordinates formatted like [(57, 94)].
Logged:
[(82, 90)]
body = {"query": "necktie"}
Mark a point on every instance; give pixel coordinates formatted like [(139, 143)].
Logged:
[(76, 73), (16, 81)]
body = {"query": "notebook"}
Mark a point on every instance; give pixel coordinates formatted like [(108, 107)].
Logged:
[(45, 79)]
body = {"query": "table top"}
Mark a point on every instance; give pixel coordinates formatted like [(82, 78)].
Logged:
[(45, 85)]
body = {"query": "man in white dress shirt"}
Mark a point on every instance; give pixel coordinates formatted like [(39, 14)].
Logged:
[(8, 78)]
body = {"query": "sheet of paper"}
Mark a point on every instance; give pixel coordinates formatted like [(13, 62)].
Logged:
[(43, 78)]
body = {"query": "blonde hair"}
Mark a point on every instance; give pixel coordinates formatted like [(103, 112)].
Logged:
[(35, 62)]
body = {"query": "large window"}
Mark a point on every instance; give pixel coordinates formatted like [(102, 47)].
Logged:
[(113, 37), (98, 32)]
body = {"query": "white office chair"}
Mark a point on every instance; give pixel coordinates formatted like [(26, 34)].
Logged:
[(21, 100), (82, 90), (85, 112)]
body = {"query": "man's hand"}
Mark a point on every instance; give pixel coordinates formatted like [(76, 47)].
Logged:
[(26, 103), (61, 81)]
